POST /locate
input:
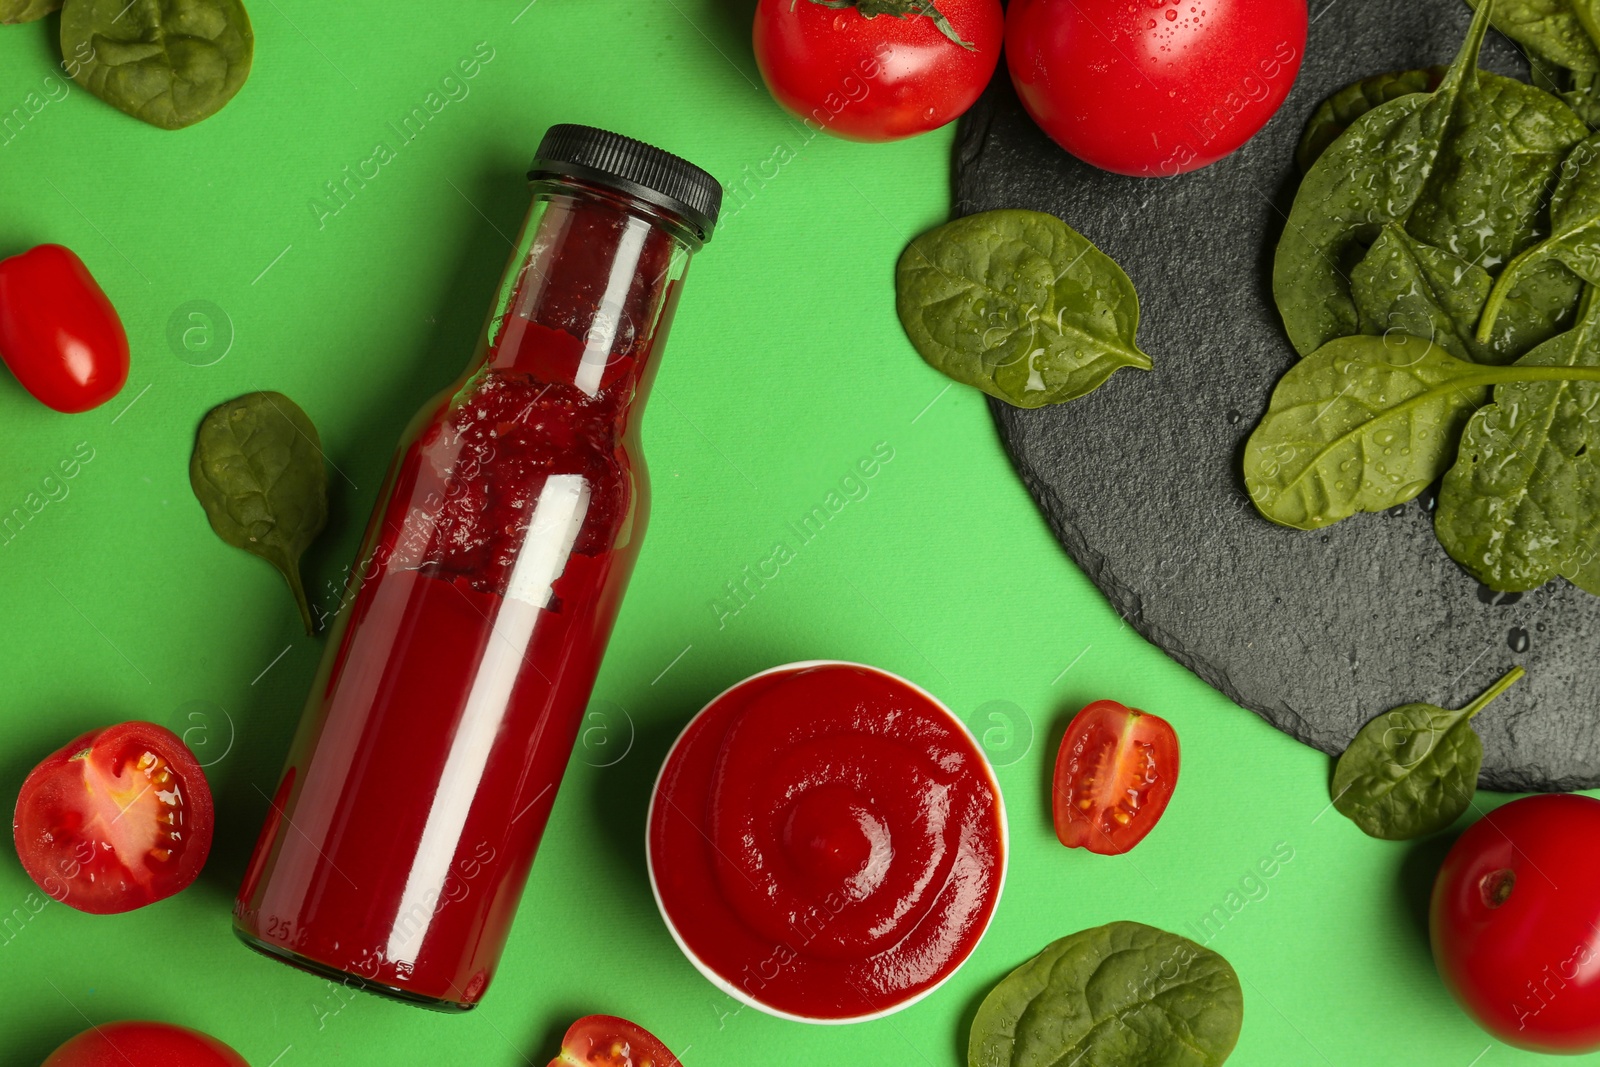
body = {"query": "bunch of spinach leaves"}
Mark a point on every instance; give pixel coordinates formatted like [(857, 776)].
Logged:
[(1436, 275)]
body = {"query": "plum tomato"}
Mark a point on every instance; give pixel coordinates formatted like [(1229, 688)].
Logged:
[(877, 70), (117, 819), (1515, 923), (1115, 771), (135, 1044), (59, 333), (1153, 88), (607, 1041)]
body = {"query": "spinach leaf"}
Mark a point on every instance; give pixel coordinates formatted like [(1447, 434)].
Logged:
[(1336, 113), (257, 469), (1548, 29), (13, 11), (1122, 994), (1020, 305), (1523, 498), (1463, 169), (1574, 237), (1584, 571), (168, 62), (1362, 424), (1412, 771), (1576, 88), (1405, 286)]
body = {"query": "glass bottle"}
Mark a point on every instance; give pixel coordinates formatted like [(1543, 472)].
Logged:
[(454, 683)]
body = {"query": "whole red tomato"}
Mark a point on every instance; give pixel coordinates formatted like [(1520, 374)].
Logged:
[(1515, 923), (607, 1041), (877, 70), (133, 1044), (1115, 772), (116, 819), (59, 333), (1153, 88)]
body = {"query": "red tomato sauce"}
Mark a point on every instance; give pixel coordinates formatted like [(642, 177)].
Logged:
[(422, 776), (828, 841)]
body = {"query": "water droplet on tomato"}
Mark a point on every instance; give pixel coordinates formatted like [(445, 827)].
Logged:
[(1172, 14)]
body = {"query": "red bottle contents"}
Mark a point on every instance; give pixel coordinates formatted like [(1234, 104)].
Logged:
[(828, 841), (423, 773)]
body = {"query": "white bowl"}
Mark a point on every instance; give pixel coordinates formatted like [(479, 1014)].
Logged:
[(739, 994)]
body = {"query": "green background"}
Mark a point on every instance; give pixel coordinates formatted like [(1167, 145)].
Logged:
[(786, 367)]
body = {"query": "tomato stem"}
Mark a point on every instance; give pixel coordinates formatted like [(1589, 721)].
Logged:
[(904, 9)]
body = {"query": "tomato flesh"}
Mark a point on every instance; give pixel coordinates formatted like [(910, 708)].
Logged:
[(876, 79), (59, 333), (1153, 88), (116, 819), (140, 1044), (1515, 923), (1115, 772), (607, 1041)]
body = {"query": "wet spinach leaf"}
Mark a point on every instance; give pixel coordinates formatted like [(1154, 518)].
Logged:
[(1523, 498), (1574, 237), (1336, 113), (1575, 88), (1548, 29), (1412, 771), (13, 11), (1463, 168), (1405, 286), (1363, 424), (1020, 305), (1584, 572), (258, 471), (1123, 993), (168, 62)]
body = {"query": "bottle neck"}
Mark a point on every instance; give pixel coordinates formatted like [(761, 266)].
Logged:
[(587, 300)]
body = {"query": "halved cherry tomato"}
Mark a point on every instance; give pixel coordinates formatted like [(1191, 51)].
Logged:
[(133, 1044), (607, 1041), (1115, 772), (59, 333), (117, 819)]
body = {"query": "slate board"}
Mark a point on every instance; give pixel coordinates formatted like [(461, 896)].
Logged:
[(1317, 632)]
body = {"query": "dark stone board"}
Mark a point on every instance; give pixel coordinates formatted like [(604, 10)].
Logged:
[(1318, 632)]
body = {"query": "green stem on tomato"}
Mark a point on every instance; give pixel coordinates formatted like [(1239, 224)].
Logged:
[(899, 9)]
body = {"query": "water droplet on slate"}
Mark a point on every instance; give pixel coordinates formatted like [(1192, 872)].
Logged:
[(1496, 599), (1233, 418), (1517, 638)]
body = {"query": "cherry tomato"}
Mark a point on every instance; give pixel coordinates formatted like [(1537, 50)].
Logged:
[(1153, 88), (880, 78), (607, 1041), (134, 1044), (58, 333), (117, 819), (1515, 923), (1115, 772)]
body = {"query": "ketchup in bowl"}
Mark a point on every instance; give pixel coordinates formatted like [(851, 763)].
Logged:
[(827, 842)]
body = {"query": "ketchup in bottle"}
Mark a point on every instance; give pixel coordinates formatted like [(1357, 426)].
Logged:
[(418, 785)]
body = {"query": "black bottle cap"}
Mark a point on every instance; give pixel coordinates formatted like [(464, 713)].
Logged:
[(632, 167)]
